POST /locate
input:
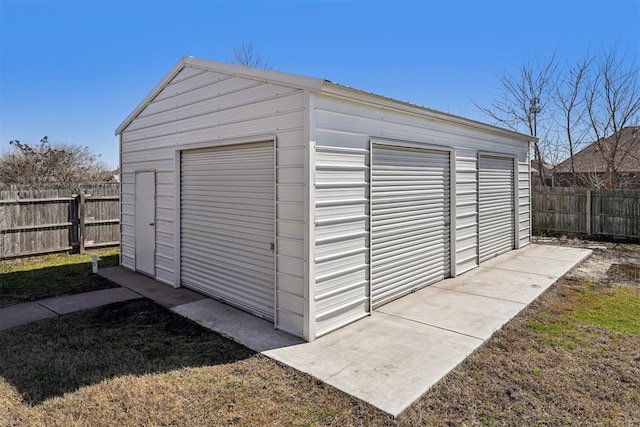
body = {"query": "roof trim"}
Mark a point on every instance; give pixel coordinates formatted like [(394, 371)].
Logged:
[(286, 79), (317, 85), (407, 107), (161, 85)]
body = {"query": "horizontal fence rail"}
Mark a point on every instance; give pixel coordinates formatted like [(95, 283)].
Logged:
[(584, 211), (59, 219)]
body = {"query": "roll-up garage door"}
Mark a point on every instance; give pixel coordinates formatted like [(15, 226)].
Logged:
[(496, 206), (410, 198), (227, 225)]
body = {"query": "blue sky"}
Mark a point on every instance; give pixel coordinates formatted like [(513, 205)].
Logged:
[(73, 70)]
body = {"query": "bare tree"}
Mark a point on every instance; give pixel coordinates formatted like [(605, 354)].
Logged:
[(523, 103), (247, 54), (612, 102), (571, 115), (45, 164)]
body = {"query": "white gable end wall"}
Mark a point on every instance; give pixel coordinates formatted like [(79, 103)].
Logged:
[(202, 108)]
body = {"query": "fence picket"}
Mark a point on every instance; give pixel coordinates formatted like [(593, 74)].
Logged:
[(590, 212), (58, 219)]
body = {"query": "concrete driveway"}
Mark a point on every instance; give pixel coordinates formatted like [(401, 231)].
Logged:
[(391, 358)]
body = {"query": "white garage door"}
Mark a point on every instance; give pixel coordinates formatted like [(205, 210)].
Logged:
[(496, 206), (227, 225), (410, 198)]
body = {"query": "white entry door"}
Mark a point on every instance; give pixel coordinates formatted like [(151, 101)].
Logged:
[(145, 223)]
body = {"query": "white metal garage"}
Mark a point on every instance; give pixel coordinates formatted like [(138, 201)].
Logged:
[(496, 212), (306, 202), (227, 224), (410, 218)]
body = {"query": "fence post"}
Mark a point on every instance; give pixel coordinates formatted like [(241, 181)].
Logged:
[(81, 214), (588, 212)]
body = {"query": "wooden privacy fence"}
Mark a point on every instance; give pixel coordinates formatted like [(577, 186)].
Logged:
[(59, 219), (585, 211)]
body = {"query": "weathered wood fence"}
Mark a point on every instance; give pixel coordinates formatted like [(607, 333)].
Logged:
[(584, 211), (59, 219)]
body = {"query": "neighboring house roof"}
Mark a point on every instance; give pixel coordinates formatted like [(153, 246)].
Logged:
[(590, 159), (546, 167), (314, 85)]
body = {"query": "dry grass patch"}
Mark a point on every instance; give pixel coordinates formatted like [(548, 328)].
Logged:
[(136, 363), (570, 358)]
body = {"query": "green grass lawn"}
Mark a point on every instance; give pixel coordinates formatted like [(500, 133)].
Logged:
[(588, 312), (29, 279)]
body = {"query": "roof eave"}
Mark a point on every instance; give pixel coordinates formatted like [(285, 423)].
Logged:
[(276, 77), (317, 86), (356, 94), (164, 82)]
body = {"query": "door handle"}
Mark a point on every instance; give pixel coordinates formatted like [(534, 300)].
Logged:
[(152, 223)]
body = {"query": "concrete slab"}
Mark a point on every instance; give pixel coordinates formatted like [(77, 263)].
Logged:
[(393, 357), (523, 263), (21, 314), (251, 331), (499, 283), (553, 252), (71, 303), (162, 294), (469, 314), (385, 360)]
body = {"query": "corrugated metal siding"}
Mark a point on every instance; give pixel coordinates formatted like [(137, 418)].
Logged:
[(259, 109), (340, 123), (290, 235), (227, 224), (496, 206), (524, 202), (341, 252), (127, 220), (352, 124), (410, 233), (466, 210)]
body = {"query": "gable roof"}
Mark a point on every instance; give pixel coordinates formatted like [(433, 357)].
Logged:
[(314, 85), (590, 159)]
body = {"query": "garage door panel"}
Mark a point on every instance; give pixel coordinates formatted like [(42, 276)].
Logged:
[(227, 225), (496, 206), (409, 220), (259, 225), (393, 240), (231, 253)]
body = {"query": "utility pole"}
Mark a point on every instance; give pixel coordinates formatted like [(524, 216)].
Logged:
[(534, 110)]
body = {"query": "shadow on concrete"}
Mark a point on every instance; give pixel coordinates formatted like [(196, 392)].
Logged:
[(60, 355)]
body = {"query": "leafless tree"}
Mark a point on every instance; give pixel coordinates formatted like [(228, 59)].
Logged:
[(45, 164), (570, 102), (247, 54), (522, 106), (591, 101), (612, 102)]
